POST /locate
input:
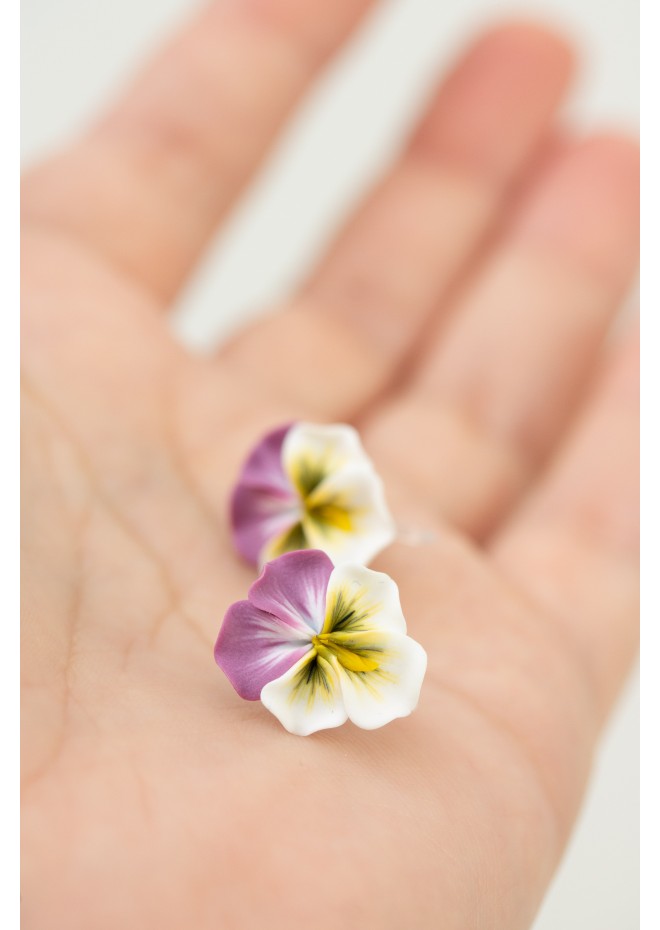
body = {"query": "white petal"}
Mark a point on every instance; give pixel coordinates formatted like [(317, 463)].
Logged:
[(365, 526), (344, 510), (307, 698), (361, 600), (321, 448), (374, 698)]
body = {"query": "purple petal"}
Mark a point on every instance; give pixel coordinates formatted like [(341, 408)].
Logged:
[(293, 588), (254, 648), (263, 467), (264, 503), (259, 515)]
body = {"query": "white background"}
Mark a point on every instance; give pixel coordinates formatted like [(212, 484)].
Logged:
[(75, 53)]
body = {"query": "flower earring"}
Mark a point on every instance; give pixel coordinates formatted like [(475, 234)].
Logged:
[(310, 487), (321, 644)]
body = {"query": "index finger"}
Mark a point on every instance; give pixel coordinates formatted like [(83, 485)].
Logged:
[(148, 184)]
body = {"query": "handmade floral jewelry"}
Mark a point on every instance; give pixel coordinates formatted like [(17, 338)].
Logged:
[(321, 644), (310, 487)]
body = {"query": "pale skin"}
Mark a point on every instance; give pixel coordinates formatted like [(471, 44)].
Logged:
[(458, 319)]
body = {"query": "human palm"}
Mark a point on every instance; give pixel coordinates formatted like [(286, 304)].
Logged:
[(153, 796)]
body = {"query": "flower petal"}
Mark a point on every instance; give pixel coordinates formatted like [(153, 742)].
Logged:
[(254, 647), (264, 466), (360, 600), (264, 504), (291, 540), (257, 516), (346, 516), (307, 698), (311, 452), (293, 588), (374, 698)]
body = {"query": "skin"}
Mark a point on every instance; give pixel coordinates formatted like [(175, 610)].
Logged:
[(458, 320)]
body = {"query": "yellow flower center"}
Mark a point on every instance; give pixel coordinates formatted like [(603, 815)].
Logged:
[(308, 478), (327, 646), (330, 515)]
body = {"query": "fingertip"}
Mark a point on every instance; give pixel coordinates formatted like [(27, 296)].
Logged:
[(614, 155), (496, 101), (586, 203), (526, 38)]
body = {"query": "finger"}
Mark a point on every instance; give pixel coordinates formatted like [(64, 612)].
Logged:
[(573, 543), (500, 381), (393, 262), (148, 184), (534, 643), (390, 268)]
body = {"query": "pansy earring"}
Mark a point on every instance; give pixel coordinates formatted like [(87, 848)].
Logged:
[(310, 487), (320, 644)]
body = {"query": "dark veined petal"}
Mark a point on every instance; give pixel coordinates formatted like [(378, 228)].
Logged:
[(307, 698), (346, 515), (361, 600), (311, 452), (389, 684), (345, 512)]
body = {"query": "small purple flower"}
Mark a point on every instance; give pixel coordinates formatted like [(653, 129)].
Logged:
[(310, 487), (320, 645)]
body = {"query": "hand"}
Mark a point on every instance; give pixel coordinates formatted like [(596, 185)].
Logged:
[(458, 319)]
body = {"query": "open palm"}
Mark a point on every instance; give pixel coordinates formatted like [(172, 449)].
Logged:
[(458, 320)]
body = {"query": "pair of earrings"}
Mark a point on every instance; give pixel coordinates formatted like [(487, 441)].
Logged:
[(320, 638)]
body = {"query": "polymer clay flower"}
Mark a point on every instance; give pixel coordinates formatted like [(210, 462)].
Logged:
[(310, 487), (320, 645)]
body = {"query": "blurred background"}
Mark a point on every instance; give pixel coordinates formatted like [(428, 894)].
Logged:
[(75, 54)]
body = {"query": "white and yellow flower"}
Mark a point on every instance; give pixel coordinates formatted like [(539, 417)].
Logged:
[(310, 487), (320, 645)]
